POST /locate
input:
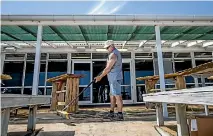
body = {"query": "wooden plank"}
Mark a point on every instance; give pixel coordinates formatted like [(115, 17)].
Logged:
[(5, 116), (9, 100), (5, 77), (74, 94), (181, 91), (63, 91), (54, 97), (61, 96), (64, 77), (211, 77), (182, 127), (32, 118), (61, 103), (203, 98), (77, 93), (70, 94), (159, 114), (180, 82), (68, 87)]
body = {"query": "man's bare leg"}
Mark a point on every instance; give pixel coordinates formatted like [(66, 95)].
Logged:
[(119, 102), (113, 102)]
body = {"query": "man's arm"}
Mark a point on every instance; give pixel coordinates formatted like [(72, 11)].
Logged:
[(110, 63)]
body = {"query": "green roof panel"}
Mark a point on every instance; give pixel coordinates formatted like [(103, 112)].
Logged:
[(4, 37), (51, 37), (145, 30), (168, 36), (95, 37), (143, 37), (119, 37), (74, 37), (188, 37), (12, 30), (206, 37), (200, 29), (94, 29), (25, 37), (32, 29), (174, 29), (68, 29), (121, 29)]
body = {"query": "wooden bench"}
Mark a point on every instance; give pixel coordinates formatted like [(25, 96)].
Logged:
[(202, 95), (11, 101)]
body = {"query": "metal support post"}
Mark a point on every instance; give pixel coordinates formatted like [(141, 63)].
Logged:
[(160, 66)]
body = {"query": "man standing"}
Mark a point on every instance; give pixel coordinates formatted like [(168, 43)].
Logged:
[(113, 71)]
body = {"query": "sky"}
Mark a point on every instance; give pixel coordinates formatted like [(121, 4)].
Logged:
[(107, 7)]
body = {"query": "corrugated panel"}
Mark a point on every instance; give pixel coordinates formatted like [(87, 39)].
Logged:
[(121, 29), (68, 29), (32, 29), (47, 30), (95, 37), (6, 38), (168, 36), (145, 30), (74, 37), (94, 29), (51, 37), (206, 37), (12, 30), (188, 37), (200, 29), (25, 37), (174, 29), (143, 37), (119, 37)]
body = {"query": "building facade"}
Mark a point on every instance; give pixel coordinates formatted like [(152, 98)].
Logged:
[(40, 47)]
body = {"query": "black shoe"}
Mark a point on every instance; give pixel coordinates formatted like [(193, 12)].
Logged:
[(119, 117), (109, 116)]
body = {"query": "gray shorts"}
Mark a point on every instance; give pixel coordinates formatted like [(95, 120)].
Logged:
[(115, 87)]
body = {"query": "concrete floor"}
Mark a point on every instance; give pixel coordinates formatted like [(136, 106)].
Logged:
[(88, 122)]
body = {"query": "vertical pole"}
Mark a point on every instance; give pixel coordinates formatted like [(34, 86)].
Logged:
[(69, 63), (133, 78), (2, 62), (205, 106), (159, 115), (46, 69), (5, 116), (160, 66), (182, 127), (194, 65), (32, 118), (37, 61), (24, 73)]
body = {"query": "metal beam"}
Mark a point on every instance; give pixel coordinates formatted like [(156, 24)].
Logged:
[(111, 20), (37, 61), (60, 35), (160, 66)]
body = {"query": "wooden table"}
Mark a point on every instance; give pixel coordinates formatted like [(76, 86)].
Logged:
[(202, 95), (10, 101)]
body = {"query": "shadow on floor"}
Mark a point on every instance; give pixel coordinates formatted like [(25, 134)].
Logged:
[(89, 116), (42, 133)]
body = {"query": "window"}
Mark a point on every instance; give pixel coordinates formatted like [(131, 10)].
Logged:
[(15, 70), (55, 69)]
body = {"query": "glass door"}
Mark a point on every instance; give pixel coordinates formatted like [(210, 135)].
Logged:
[(83, 67)]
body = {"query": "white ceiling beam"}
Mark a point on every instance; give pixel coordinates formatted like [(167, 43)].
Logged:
[(142, 43), (51, 44), (177, 43), (110, 22), (194, 43), (124, 43), (207, 43)]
